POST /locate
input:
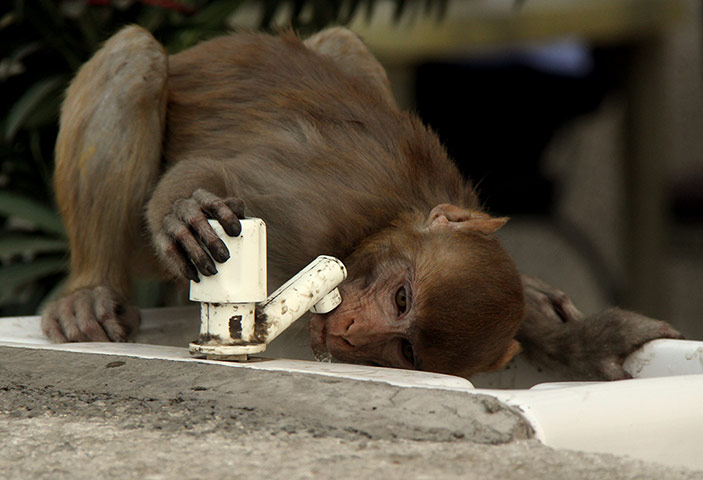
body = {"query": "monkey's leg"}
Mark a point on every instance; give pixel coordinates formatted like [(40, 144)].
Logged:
[(108, 156), (352, 56), (555, 335)]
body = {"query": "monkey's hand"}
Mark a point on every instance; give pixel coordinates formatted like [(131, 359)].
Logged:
[(556, 336), (90, 314), (187, 244)]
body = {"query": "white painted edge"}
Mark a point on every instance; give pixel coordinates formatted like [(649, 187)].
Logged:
[(400, 378), (654, 419), (666, 358), (25, 332)]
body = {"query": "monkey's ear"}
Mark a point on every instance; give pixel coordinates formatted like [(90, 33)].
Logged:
[(513, 349), (450, 216)]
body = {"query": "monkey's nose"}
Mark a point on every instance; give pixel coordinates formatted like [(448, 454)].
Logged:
[(348, 334), (340, 326)]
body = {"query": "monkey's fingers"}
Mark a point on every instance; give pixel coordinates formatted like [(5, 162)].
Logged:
[(611, 369), (175, 258), (90, 315), (85, 316), (237, 206), (622, 332), (548, 301), (118, 320), (191, 244), (606, 339), (226, 211), (71, 319), (190, 212), (51, 326), (68, 320)]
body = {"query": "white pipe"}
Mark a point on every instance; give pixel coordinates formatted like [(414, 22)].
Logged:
[(313, 285)]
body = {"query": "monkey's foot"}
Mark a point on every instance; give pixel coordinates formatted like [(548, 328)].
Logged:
[(596, 347), (549, 306), (90, 315), (555, 335), (606, 339)]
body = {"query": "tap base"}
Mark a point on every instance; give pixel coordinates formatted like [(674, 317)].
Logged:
[(237, 353), (229, 358)]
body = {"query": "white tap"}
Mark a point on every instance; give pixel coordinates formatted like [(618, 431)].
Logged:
[(236, 317)]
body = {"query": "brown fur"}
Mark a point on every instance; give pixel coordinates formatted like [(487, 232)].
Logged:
[(481, 303), (97, 126), (308, 135), (349, 160)]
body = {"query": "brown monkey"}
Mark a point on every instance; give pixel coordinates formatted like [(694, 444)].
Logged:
[(307, 135)]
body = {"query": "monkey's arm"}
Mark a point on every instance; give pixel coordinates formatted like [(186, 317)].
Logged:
[(108, 155), (556, 336)]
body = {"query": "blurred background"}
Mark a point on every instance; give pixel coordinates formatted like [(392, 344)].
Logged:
[(582, 120)]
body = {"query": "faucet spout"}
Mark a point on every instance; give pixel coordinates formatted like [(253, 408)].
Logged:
[(314, 287), (236, 317)]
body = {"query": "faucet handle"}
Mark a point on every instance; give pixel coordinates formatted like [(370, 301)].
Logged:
[(328, 303)]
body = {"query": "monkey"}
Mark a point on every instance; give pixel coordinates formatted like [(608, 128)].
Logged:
[(305, 134)]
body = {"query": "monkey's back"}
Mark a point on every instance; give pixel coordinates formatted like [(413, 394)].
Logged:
[(307, 143)]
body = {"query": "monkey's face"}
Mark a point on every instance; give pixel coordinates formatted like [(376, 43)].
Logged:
[(441, 301), (373, 325)]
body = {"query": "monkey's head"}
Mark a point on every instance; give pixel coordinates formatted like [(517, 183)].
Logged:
[(437, 294)]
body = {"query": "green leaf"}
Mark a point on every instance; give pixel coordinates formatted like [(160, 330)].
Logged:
[(46, 219), (33, 98), (91, 38), (399, 9), (18, 275), (8, 19), (216, 14), (185, 38), (268, 12), (151, 18), (352, 8), (46, 113), (17, 244)]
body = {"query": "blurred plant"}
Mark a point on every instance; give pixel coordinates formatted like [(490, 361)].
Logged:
[(42, 44)]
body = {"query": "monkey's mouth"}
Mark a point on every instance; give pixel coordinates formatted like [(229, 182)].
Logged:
[(320, 343), (318, 338)]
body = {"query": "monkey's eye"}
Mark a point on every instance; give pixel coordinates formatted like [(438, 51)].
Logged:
[(401, 300), (408, 352)]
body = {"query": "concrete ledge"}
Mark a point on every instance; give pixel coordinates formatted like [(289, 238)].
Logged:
[(86, 415), (86, 385)]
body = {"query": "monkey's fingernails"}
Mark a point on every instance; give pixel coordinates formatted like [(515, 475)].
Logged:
[(668, 332), (208, 269), (237, 206), (233, 228), (219, 251), (191, 273)]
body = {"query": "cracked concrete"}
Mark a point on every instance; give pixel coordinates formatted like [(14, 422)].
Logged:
[(70, 415), (161, 392)]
